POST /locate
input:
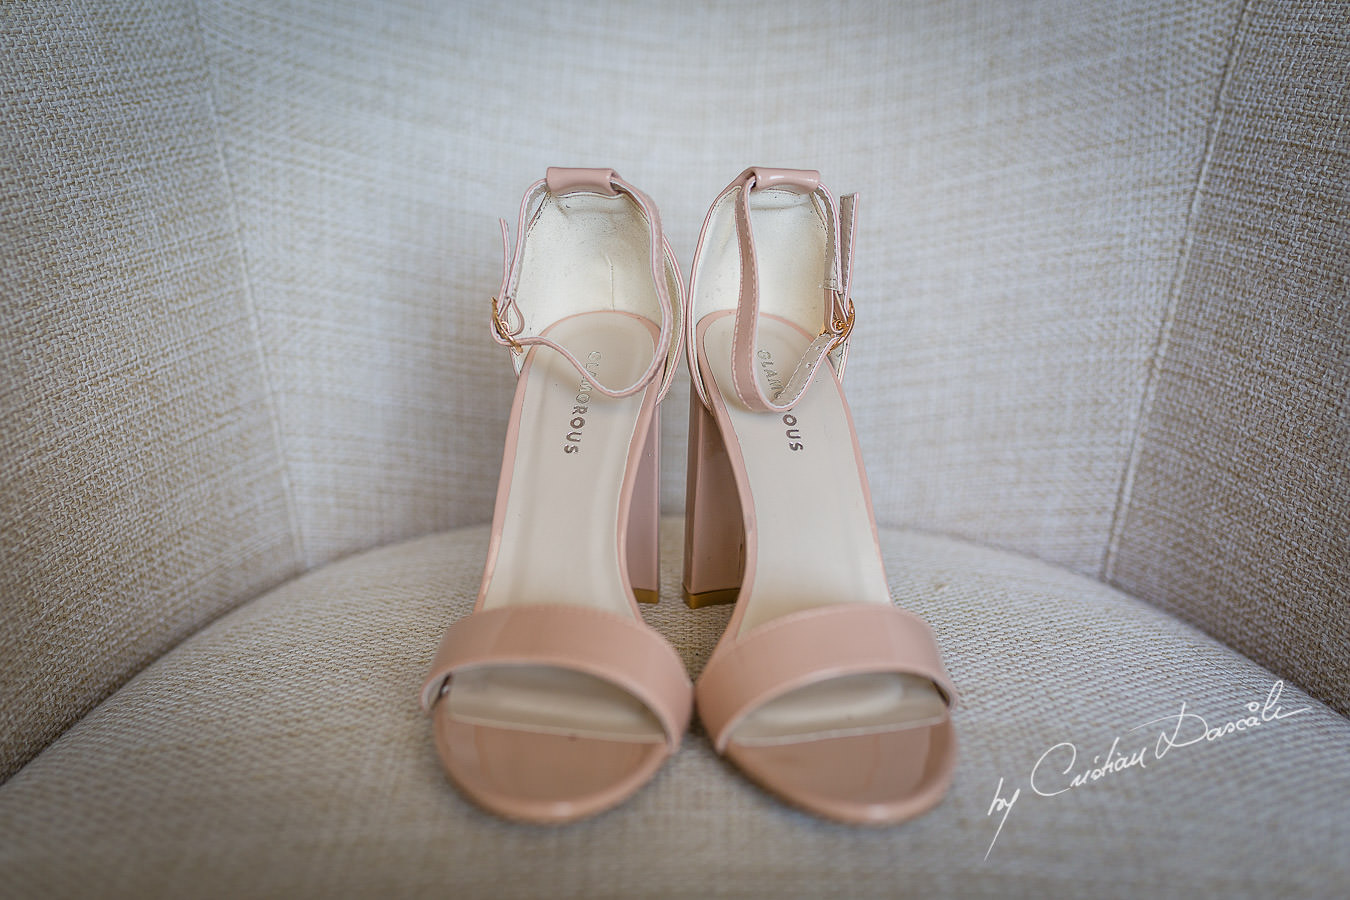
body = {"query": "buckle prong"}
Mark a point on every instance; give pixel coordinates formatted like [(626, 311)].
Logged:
[(503, 330), (840, 328)]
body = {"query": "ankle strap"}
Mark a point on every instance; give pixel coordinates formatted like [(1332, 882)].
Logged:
[(508, 324), (832, 342)]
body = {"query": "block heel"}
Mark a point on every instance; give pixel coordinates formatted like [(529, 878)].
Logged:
[(643, 540), (714, 536)]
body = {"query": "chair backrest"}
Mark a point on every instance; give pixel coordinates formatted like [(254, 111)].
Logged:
[(1102, 288)]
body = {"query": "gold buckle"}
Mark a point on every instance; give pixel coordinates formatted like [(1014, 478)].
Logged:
[(503, 331), (840, 328)]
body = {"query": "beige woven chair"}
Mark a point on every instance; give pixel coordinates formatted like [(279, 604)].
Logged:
[(252, 418)]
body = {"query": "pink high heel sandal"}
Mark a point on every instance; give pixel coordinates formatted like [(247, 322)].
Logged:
[(821, 690), (552, 700)]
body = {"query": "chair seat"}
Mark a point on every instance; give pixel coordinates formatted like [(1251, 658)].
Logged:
[(281, 752)]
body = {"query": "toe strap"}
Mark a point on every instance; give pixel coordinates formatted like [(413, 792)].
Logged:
[(809, 647), (622, 651)]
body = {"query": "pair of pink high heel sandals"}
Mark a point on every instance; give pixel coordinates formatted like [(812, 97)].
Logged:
[(553, 700)]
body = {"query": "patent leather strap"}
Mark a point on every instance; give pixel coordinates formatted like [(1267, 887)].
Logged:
[(832, 343), (508, 325), (621, 651), (809, 647)]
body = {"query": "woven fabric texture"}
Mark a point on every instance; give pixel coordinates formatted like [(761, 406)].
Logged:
[(141, 490), (1030, 179), (281, 752), (368, 227), (1025, 177), (1237, 512), (248, 248)]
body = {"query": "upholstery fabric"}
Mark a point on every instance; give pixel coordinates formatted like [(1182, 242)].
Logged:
[(246, 250), (281, 752), (1237, 512), (142, 493), (1025, 177), (1025, 181), (368, 226)]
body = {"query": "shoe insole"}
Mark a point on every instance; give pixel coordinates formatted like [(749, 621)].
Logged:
[(568, 449)]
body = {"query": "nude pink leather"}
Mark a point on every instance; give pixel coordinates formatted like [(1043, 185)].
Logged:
[(643, 510), (553, 773), (837, 303), (808, 647), (665, 271), (560, 180), (804, 180), (869, 750), (626, 653)]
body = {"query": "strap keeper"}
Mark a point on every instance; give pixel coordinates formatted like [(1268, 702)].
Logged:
[(803, 181), (564, 180)]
